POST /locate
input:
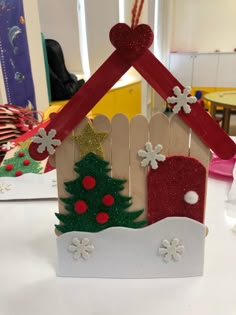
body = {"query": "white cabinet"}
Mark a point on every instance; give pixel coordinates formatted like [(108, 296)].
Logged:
[(204, 69), (181, 67), (227, 70)]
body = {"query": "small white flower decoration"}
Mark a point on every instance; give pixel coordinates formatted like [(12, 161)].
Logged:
[(171, 250), (151, 156), (181, 100), (8, 146), (81, 249), (4, 187), (46, 141)]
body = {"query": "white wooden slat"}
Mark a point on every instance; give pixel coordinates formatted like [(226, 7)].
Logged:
[(120, 149), (65, 168), (179, 137), (102, 123), (159, 129), (69, 152), (77, 131), (138, 189), (52, 160), (199, 150)]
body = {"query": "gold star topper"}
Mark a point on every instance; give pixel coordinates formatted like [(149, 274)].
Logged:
[(90, 141), (25, 144)]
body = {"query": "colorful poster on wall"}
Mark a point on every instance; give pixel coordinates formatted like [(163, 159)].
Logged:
[(14, 55)]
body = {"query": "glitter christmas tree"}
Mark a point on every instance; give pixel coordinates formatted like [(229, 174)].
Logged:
[(96, 202)]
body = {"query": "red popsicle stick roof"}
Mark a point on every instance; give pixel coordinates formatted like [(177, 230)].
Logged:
[(132, 49)]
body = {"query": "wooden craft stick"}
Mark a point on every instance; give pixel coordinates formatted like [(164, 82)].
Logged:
[(120, 149), (159, 130), (179, 137), (102, 123), (138, 174), (65, 171), (77, 131), (199, 150)]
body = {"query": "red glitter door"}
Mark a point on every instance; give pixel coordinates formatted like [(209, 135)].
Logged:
[(177, 188)]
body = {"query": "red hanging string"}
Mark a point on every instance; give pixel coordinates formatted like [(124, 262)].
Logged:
[(134, 10), (139, 12), (135, 15)]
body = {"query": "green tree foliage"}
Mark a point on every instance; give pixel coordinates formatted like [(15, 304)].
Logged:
[(96, 202), (20, 163)]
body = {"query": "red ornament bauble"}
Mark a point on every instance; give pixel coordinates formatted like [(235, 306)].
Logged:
[(102, 217), (89, 182), (80, 206), (108, 200), (21, 154), (18, 173), (26, 162), (9, 167)]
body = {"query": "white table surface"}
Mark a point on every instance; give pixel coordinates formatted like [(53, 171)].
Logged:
[(29, 286)]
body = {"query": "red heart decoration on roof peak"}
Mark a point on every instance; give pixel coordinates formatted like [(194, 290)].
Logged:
[(131, 43)]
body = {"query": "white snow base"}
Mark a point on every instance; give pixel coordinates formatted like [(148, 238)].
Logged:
[(134, 253), (29, 186)]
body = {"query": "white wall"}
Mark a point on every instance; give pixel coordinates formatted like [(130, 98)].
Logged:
[(100, 17), (198, 25), (204, 25), (59, 21)]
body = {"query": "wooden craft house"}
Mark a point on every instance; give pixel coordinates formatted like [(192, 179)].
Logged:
[(119, 174)]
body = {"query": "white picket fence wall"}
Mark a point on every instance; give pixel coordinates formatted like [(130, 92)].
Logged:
[(121, 147)]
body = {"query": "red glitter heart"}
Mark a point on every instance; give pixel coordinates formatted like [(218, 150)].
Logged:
[(131, 43)]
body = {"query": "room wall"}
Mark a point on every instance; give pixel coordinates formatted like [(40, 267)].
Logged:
[(204, 25), (59, 21), (198, 25), (100, 17)]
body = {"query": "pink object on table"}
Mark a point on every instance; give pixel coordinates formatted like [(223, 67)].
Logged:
[(221, 167)]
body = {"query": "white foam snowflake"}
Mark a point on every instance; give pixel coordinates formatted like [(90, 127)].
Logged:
[(8, 146), (181, 100), (151, 156), (4, 187), (81, 249), (46, 141), (171, 250)]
